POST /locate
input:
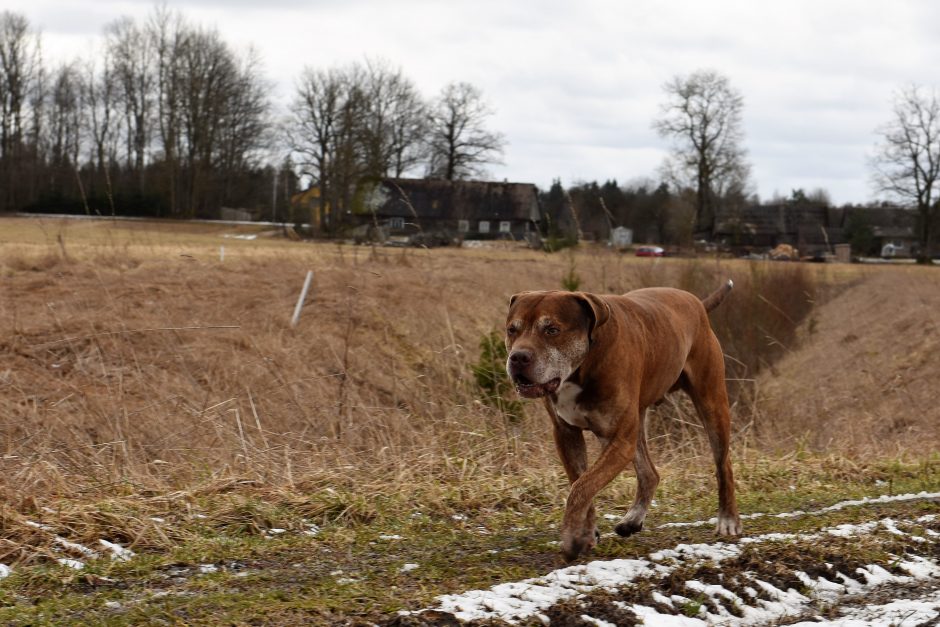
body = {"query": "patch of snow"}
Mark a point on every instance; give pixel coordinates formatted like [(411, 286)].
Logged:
[(867, 500), (652, 617), (876, 575), (74, 564), (390, 536), (850, 530), (901, 612), (658, 597), (74, 546), (407, 568), (890, 525), (596, 621), (208, 569), (157, 519), (118, 552), (529, 597), (5, 571), (516, 601), (39, 525)]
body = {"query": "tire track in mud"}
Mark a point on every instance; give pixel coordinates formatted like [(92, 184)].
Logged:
[(882, 571)]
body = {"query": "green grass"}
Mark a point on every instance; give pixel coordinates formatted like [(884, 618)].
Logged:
[(352, 570)]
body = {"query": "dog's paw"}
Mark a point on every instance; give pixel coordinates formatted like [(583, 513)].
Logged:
[(573, 545), (728, 526), (627, 528)]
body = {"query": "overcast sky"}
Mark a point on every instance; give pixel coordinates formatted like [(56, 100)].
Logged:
[(575, 85)]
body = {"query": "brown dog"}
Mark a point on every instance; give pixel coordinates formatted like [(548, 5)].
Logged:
[(599, 362)]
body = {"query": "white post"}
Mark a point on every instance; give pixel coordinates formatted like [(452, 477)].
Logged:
[(303, 297), (221, 253)]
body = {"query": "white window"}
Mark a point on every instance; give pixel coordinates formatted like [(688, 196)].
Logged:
[(396, 223), (484, 226), (505, 226), (463, 226)]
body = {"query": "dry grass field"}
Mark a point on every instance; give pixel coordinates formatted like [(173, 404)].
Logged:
[(157, 396)]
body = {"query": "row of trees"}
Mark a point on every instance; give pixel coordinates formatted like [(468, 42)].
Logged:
[(368, 121), (166, 118), (702, 116)]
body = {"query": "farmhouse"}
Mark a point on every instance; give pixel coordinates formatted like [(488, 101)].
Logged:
[(434, 210), (814, 229)]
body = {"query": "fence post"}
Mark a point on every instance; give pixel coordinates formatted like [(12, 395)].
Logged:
[(303, 297)]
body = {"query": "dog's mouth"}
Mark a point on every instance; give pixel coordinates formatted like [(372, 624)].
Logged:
[(530, 389)]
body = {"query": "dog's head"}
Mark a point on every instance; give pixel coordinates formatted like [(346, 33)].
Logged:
[(548, 335)]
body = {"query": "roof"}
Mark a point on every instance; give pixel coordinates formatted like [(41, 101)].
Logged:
[(808, 221), (462, 200)]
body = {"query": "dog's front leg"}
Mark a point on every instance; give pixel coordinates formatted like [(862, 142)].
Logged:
[(578, 531), (569, 442)]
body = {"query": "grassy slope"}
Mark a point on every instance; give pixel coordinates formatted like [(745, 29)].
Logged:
[(451, 512)]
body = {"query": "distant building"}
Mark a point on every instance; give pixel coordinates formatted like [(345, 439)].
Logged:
[(621, 237), (812, 229), (439, 211), (305, 207)]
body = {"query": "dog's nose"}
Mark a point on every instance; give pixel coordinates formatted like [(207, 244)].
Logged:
[(520, 358)]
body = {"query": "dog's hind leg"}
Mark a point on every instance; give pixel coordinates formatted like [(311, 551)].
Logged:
[(646, 481), (706, 387)]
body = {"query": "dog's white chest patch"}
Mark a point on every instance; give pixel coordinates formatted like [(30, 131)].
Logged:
[(566, 407)]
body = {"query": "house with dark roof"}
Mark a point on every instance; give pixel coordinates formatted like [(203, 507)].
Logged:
[(813, 229), (440, 211)]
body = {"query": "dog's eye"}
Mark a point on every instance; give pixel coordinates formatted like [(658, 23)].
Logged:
[(552, 331), (511, 331)]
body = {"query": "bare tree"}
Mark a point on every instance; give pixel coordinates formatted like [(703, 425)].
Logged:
[(208, 75), (20, 83), (64, 126), (211, 114), (394, 121), (100, 129), (702, 115), (906, 164), (160, 102), (458, 142), (132, 57), (324, 135), (99, 98), (244, 125), (166, 33)]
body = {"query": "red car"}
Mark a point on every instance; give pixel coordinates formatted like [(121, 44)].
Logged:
[(649, 251)]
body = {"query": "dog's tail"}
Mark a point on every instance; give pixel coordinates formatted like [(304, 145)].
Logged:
[(714, 299)]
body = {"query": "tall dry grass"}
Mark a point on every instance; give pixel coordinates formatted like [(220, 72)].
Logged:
[(172, 367), (134, 370)]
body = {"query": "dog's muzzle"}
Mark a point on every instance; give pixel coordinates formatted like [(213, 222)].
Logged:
[(518, 366)]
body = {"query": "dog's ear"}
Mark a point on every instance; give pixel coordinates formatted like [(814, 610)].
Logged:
[(596, 307), (515, 297)]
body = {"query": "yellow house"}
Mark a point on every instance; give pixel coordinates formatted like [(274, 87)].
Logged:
[(307, 203)]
